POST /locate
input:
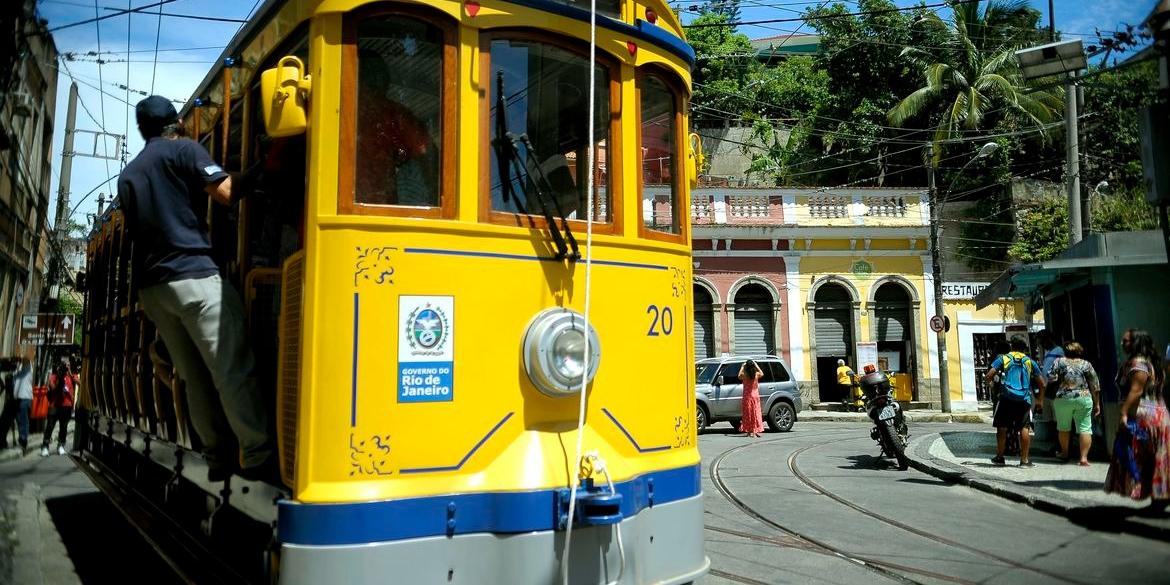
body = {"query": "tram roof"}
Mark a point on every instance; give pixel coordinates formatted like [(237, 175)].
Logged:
[(270, 7)]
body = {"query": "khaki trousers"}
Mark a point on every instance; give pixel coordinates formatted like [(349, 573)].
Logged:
[(202, 323)]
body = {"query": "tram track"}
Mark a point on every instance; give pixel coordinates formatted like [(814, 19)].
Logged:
[(809, 482), (813, 544)]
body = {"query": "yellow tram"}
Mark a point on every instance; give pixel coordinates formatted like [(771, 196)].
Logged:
[(415, 258)]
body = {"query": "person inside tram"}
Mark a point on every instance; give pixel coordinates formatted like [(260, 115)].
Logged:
[(396, 163)]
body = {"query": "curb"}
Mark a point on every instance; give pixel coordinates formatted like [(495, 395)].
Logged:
[(911, 416), (1080, 511)]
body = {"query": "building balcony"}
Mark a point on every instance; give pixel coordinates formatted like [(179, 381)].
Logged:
[(865, 207)]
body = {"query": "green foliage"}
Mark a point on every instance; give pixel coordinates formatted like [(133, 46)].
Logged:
[(725, 66), (1041, 231), (1124, 212), (984, 241), (1110, 130), (70, 302), (972, 80)]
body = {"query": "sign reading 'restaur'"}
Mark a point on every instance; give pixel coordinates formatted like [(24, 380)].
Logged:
[(47, 329), (962, 290)]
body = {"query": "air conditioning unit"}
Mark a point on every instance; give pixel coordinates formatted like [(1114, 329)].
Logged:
[(22, 104)]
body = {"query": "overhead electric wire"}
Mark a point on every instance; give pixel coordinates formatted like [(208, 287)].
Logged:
[(99, 17), (102, 95), (129, 20), (157, 36)]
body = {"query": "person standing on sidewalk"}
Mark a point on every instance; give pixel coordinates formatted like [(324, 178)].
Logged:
[(1018, 373), (1078, 399), (845, 381), (199, 317), (21, 398), (1140, 467), (62, 390)]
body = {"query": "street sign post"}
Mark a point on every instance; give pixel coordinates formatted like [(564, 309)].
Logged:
[(47, 329)]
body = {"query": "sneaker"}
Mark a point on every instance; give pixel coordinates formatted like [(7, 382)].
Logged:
[(1027, 464), (267, 472), (60, 450), (998, 460), (44, 451)]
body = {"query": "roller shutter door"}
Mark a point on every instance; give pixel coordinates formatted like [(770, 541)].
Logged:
[(833, 331), (893, 322), (753, 329), (704, 333)]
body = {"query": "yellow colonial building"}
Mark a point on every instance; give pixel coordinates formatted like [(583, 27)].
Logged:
[(817, 275)]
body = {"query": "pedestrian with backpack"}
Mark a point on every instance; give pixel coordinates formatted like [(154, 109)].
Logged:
[(1022, 379)]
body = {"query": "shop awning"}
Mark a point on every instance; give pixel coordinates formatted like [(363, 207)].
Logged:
[(1098, 251)]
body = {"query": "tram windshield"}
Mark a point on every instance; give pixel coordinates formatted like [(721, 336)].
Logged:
[(545, 96)]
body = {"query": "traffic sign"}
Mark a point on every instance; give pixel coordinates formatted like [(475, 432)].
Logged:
[(937, 324), (47, 328)]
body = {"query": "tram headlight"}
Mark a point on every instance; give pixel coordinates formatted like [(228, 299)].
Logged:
[(554, 352)]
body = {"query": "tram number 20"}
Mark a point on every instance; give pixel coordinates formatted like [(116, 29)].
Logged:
[(661, 321)]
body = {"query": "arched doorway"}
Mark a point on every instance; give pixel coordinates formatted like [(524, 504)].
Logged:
[(833, 323), (704, 323), (893, 331), (754, 325)]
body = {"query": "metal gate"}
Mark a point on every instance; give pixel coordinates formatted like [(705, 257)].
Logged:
[(753, 329), (704, 332)]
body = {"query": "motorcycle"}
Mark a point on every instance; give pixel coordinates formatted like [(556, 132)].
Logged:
[(890, 429)]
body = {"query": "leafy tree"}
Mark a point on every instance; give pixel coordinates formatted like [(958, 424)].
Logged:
[(726, 64), (973, 74), (1041, 231), (68, 303), (728, 8)]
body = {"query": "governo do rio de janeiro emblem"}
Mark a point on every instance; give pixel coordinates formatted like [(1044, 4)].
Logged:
[(427, 328)]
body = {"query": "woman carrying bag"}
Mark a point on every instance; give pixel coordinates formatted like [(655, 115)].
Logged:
[(62, 389)]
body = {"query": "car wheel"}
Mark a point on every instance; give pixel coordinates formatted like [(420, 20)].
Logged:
[(781, 416), (701, 418)]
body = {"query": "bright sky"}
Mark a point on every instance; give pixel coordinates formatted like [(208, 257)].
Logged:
[(188, 47)]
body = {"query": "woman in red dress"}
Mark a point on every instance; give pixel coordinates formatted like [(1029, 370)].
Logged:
[(752, 422)]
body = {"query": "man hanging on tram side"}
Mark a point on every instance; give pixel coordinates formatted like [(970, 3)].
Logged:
[(198, 315)]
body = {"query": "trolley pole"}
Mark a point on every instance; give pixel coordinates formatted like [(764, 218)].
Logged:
[(936, 271)]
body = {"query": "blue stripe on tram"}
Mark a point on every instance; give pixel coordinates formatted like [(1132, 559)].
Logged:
[(499, 512)]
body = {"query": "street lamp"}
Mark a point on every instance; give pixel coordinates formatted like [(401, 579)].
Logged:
[(936, 262), (1089, 207), (1064, 57)]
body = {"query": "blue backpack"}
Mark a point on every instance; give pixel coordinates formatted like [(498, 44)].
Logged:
[(1017, 377)]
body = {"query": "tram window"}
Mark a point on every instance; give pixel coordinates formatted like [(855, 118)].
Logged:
[(659, 154), (399, 112), (543, 136)]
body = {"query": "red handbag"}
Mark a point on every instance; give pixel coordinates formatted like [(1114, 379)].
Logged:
[(40, 403)]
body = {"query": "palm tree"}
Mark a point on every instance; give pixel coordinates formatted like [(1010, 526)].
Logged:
[(974, 73)]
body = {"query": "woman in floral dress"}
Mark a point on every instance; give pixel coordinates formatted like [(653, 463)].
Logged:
[(1140, 467), (752, 422)]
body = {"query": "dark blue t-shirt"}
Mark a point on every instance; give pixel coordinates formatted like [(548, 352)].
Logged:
[(156, 192)]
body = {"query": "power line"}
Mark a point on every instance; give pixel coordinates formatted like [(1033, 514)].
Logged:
[(102, 95), (157, 36), (99, 18)]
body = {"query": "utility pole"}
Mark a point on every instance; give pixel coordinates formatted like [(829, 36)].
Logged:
[(936, 270), (60, 226), (1073, 156), (1051, 23)]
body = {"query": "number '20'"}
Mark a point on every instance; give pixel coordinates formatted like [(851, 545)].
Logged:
[(660, 321)]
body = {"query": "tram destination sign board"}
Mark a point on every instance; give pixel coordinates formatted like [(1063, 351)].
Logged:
[(47, 329)]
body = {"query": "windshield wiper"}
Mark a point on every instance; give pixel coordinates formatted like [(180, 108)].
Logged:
[(508, 166)]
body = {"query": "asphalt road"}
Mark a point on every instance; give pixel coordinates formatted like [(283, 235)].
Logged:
[(56, 528), (854, 518)]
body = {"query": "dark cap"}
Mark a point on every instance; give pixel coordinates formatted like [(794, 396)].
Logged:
[(155, 113)]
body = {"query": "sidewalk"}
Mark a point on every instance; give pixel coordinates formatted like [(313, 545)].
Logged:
[(1053, 486)]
